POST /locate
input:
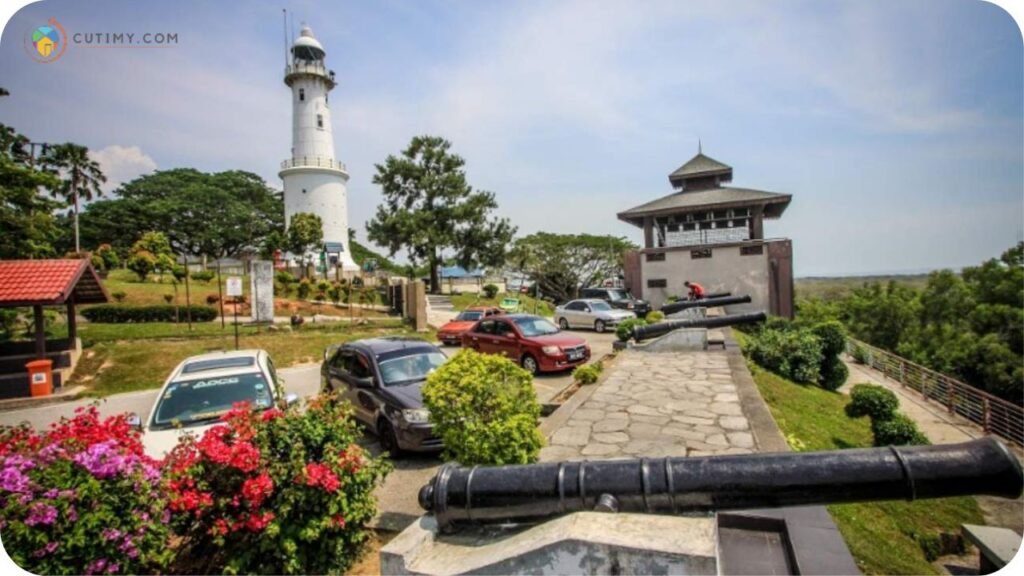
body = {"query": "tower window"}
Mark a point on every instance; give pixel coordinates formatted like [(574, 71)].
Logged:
[(302, 94), (319, 120), (303, 190)]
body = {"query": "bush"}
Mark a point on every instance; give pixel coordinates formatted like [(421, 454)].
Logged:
[(212, 299), (832, 336), (833, 373), (121, 314), (118, 296), (142, 263), (323, 286), (792, 354), (284, 277), (109, 256), (485, 410), (655, 316), (873, 401), (279, 493), (168, 298), (203, 276), (179, 272), (490, 291), (897, 431), (305, 287), (82, 499), (97, 262), (860, 354), (587, 374), (624, 331)]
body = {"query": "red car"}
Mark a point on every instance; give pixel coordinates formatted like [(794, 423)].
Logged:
[(530, 341), (451, 333)]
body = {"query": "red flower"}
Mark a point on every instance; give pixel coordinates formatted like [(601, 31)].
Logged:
[(257, 522), (190, 500), (338, 520), (271, 414), (321, 475), (257, 489)]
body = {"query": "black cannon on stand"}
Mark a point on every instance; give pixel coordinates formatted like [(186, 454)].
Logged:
[(646, 331), (459, 496), (703, 303)]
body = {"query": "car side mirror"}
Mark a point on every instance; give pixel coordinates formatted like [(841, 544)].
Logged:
[(290, 398), (364, 382), (134, 421)]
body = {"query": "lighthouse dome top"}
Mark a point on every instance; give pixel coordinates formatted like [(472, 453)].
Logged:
[(306, 46)]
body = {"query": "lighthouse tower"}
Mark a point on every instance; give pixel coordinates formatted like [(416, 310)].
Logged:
[(314, 181)]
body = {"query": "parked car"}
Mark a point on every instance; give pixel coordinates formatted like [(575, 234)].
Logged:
[(531, 341), (203, 388), (382, 378), (451, 333), (618, 298), (590, 313)]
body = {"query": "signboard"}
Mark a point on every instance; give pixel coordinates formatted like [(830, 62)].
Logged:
[(262, 291), (234, 286)]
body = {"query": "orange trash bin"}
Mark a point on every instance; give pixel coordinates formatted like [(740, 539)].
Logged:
[(40, 377)]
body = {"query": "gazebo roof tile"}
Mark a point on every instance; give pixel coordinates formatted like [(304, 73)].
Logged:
[(49, 282)]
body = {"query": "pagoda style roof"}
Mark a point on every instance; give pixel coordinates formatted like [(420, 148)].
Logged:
[(713, 198), (699, 165), (49, 282)]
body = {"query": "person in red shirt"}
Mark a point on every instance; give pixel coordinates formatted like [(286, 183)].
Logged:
[(696, 290)]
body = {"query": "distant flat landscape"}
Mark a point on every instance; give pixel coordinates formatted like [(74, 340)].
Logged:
[(835, 287)]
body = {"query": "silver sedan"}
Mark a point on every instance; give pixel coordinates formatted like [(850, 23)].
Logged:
[(589, 313)]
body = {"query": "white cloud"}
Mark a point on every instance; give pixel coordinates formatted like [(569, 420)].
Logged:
[(122, 163)]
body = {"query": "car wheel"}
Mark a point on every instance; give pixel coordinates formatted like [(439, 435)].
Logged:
[(388, 439), (599, 326), (563, 323), (530, 364)]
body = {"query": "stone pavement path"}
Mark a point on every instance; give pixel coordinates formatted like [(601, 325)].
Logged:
[(657, 405)]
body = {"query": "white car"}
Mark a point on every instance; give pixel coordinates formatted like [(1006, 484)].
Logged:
[(589, 313), (202, 388)]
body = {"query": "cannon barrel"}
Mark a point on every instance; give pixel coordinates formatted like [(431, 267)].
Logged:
[(661, 328), (703, 303), (718, 295), (533, 492)]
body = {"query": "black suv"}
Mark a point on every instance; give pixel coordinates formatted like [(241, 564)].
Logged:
[(381, 378), (619, 298)]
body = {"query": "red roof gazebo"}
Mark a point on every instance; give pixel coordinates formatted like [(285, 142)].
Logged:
[(39, 283)]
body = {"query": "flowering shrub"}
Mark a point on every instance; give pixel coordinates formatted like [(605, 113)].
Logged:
[(81, 499), (274, 492)]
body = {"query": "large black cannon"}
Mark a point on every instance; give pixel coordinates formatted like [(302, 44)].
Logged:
[(534, 492), (661, 328), (703, 303)]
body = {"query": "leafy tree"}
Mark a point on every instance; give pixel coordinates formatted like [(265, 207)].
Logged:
[(80, 176), (142, 263), (562, 264), (429, 207), (881, 316), (27, 225), (305, 232), (202, 214), (155, 243)]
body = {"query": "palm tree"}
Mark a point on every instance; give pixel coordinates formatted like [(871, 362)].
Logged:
[(81, 176)]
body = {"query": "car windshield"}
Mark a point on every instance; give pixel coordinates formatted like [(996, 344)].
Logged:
[(469, 316), (535, 326), (410, 368), (599, 306), (618, 295), (192, 401)]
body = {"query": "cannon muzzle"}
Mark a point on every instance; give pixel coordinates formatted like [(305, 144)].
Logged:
[(646, 331), (704, 303), (534, 492)]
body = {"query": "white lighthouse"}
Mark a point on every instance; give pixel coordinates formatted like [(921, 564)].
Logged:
[(314, 181)]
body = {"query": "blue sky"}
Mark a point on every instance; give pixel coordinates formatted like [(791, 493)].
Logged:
[(898, 127)]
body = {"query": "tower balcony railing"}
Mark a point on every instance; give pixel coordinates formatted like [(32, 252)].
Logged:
[(314, 162), (316, 68)]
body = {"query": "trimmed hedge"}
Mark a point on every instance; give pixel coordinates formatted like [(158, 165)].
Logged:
[(898, 431), (655, 316), (871, 400), (624, 331), (792, 354), (587, 374), (121, 314)]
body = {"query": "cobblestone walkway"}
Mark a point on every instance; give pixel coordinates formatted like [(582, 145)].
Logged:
[(656, 405)]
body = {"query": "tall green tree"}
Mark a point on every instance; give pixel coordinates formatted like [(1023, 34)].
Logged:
[(429, 207), (562, 264), (28, 228), (305, 233), (202, 214), (80, 176)]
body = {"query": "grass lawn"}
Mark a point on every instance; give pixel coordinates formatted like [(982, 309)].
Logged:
[(113, 364), (463, 301), (881, 535)]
